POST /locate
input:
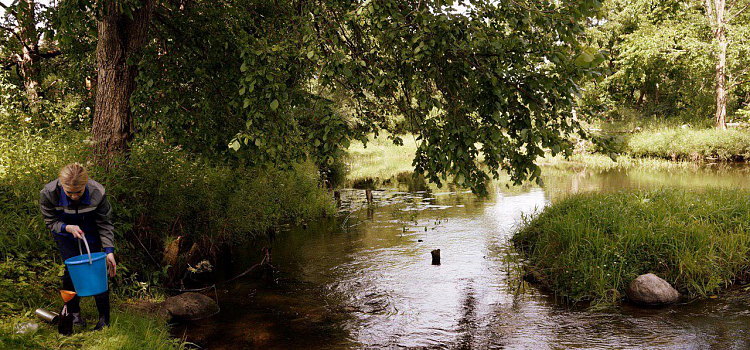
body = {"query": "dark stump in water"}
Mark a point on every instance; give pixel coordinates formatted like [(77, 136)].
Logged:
[(435, 257)]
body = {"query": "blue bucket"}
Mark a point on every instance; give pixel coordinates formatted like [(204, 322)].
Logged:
[(89, 273)]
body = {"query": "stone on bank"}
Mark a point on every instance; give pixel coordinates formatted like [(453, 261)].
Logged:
[(649, 289), (190, 306)]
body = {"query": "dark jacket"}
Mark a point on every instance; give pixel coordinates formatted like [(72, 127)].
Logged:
[(91, 213)]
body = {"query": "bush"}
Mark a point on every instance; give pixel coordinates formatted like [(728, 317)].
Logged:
[(590, 246)]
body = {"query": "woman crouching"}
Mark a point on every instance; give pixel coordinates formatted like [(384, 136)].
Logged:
[(75, 208)]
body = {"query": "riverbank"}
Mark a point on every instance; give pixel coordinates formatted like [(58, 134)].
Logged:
[(588, 247), (703, 145), (128, 330), (382, 163), (379, 160), (160, 195)]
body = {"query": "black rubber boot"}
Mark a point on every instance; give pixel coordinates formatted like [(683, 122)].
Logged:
[(102, 305), (101, 324), (77, 319)]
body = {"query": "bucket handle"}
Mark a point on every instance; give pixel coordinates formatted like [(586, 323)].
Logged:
[(87, 249)]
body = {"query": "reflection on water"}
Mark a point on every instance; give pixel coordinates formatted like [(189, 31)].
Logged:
[(364, 280)]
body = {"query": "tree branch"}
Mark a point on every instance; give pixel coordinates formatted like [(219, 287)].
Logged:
[(7, 8), (10, 62), (732, 85), (737, 13), (17, 37), (51, 54)]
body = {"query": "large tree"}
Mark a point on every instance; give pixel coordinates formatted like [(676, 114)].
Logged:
[(122, 32), (487, 87), (723, 17)]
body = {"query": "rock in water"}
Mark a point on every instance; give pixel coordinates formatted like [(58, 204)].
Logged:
[(190, 306), (649, 289)]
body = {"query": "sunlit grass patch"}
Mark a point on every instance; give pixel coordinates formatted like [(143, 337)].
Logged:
[(381, 159), (692, 145), (601, 162), (127, 331), (590, 246)]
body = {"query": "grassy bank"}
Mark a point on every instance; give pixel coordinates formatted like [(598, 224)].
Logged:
[(691, 145), (128, 331), (601, 162), (590, 246), (380, 160), (158, 194)]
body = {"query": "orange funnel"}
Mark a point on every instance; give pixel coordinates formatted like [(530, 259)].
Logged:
[(67, 295)]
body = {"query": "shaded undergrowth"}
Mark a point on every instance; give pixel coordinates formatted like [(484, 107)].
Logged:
[(159, 195)]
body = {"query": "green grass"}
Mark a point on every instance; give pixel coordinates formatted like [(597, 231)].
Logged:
[(588, 247), (691, 145), (128, 331), (381, 159), (601, 162)]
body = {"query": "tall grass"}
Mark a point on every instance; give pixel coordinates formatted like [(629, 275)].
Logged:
[(590, 246), (159, 191), (692, 145), (601, 162), (380, 160)]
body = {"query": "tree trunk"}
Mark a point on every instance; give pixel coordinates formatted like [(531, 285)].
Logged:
[(643, 93), (120, 39), (29, 63), (721, 63)]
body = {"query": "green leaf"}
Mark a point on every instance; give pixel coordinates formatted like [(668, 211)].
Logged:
[(235, 145), (274, 105), (246, 103)]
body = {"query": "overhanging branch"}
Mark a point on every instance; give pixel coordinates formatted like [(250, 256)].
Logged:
[(12, 32)]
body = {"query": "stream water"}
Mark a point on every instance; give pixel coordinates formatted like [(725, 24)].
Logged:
[(364, 280)]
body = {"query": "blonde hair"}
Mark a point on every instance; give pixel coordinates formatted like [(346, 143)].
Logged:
[(74, 175)]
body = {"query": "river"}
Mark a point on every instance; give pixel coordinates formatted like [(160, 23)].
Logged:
[(364, 280)]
